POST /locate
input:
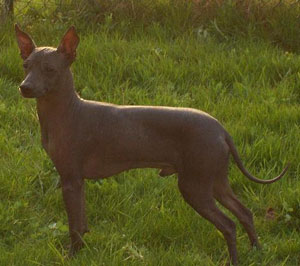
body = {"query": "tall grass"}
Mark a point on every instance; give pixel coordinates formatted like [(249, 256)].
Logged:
[(222, 62), (276, 21)]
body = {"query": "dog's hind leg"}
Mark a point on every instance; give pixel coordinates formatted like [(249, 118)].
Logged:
[(224, 194), (198, 192)]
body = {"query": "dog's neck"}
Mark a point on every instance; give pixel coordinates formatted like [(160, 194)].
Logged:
[(58, 101), (58, 107)]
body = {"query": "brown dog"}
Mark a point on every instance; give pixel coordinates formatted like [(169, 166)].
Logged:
[(87, 139)]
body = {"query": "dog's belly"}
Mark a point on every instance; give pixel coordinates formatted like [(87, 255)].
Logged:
[(94, 169)]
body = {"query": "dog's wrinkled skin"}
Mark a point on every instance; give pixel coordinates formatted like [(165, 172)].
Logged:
[(87, 139)]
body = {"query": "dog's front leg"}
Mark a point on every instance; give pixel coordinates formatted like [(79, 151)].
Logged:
[(73, 195)]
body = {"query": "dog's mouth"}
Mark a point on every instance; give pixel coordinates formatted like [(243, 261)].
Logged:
[(29, 93), (26, 93)]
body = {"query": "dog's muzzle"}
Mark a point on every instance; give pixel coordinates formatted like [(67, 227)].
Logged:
[(26, 91)]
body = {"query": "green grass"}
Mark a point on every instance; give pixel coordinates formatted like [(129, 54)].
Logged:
[(137, 218)]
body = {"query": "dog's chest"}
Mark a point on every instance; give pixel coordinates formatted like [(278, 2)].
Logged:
[(57, 146)]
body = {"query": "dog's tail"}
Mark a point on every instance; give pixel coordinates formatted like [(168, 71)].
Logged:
[(240, 165)]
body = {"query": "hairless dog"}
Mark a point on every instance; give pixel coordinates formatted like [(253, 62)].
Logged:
[(88, 139)]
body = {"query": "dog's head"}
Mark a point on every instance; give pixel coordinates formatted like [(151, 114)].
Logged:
[(45, 66)]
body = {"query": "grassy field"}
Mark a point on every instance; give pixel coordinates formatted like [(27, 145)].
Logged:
[(250, 81)]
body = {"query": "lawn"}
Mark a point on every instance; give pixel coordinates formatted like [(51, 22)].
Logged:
[(249, 81)]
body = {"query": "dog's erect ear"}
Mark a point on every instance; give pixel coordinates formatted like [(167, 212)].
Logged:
[(69, 44), (25, 43)]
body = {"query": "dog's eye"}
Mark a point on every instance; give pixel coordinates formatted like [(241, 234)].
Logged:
[(49, 69), (25, 65)]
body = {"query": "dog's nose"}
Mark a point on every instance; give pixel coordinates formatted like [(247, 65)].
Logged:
[(25, 89)]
